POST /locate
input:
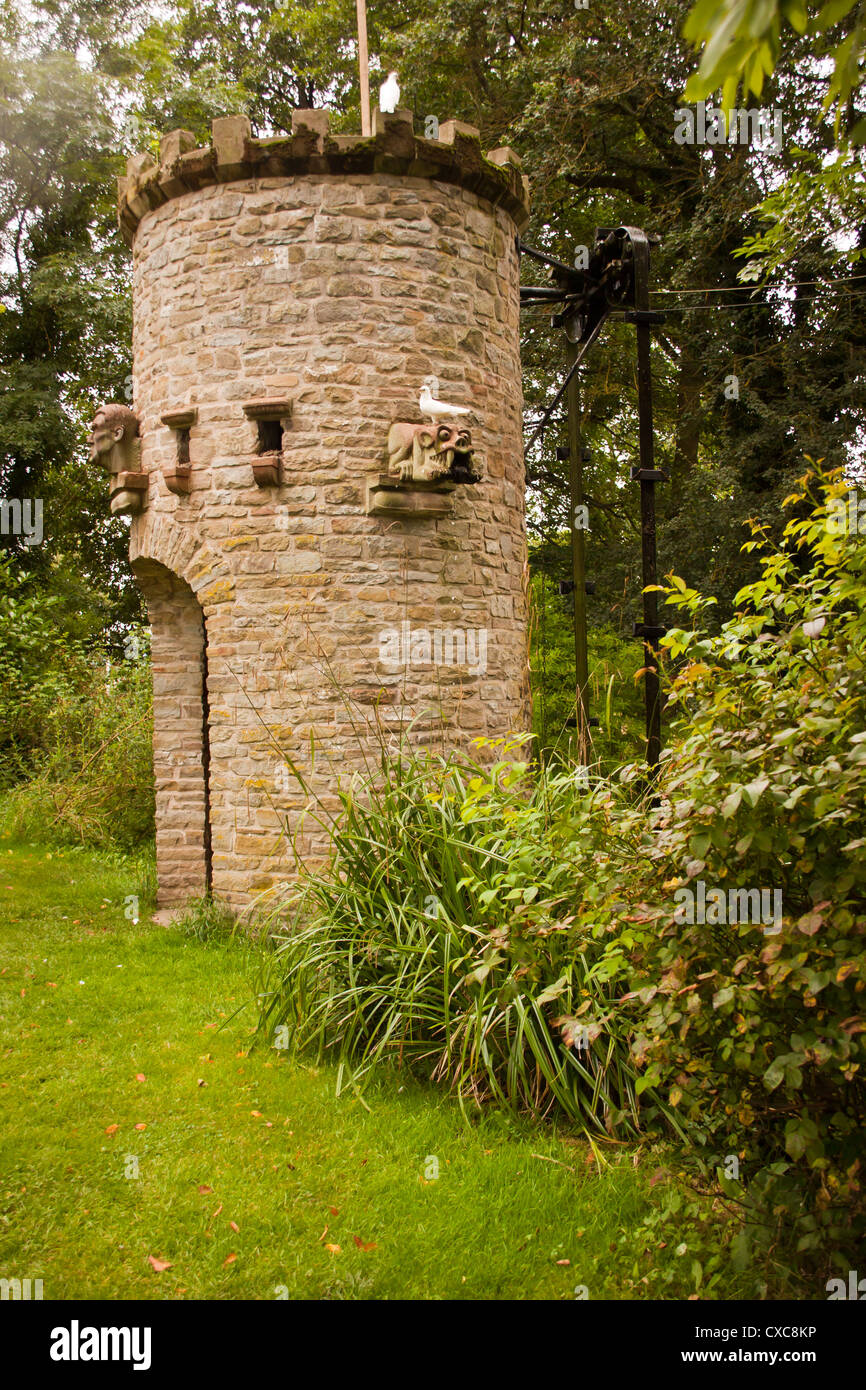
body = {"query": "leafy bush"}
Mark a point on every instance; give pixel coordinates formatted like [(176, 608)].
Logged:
[(91, 779), (522, 935), (39, 664), (756, 1034), (441, 937)]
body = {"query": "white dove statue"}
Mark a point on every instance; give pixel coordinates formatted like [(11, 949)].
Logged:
[(438, 410), (389, 94)]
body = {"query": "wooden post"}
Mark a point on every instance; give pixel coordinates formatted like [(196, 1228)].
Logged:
[(363, 65)]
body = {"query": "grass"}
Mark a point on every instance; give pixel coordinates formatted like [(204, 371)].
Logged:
[(122, 1051)]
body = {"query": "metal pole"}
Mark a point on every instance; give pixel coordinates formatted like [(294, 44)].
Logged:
[(578, 555), (363, 65), (648, 475)]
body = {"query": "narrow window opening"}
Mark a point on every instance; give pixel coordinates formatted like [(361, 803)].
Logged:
[(270, 436), (183, 448)]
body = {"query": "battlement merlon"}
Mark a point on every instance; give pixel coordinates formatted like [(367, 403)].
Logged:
[(456, 157)]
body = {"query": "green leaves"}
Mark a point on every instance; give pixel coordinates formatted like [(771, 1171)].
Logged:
[(367, 973), (741, 42), (785, 1068)]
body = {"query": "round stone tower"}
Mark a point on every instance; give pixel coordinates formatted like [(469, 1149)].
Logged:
[(325, 561)]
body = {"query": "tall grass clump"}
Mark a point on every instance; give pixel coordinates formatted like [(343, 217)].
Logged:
[(441, 938)]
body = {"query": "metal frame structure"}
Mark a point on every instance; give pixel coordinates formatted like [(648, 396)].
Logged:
[(615, 282)]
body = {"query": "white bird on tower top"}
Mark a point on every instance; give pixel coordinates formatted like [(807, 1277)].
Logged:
[(438, 410), (389, 94)]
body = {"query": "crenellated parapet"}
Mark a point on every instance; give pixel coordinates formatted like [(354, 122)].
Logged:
[(456, 157)]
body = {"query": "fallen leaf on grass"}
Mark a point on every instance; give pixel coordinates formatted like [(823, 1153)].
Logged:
[(229, 1260), (563, 1262), (256, 1114), (204, 1189), (217, 1212), (112, 1129), (335, 1211), (333, 1249), (141, 1076), (159, 1265), (142, 1126), (235, 1227), (364, 1244)]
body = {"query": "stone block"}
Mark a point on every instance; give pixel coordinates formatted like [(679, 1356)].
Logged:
[(174, 144), (230, 136)]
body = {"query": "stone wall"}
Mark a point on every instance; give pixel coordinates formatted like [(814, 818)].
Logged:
[(318, 299)]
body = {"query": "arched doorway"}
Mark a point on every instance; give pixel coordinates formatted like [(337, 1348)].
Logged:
[(181, 755)]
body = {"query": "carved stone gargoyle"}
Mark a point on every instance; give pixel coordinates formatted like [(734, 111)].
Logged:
[(440, 453), (114, 441)]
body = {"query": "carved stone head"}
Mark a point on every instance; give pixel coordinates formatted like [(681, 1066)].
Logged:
[(431, 453), (113, 436)]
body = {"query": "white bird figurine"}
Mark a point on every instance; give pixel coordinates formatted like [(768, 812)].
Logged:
[(438, 410), (389, 94)]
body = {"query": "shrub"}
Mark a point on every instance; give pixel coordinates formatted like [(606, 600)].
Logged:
[(441, 938), (39, 665), (756, 1035), (520, 935), (91, 782)]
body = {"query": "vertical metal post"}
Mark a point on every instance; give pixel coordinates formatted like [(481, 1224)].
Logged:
[(578, 556), (648, 475)]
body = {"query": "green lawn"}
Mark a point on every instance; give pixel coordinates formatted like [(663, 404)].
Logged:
[(121, 1056)]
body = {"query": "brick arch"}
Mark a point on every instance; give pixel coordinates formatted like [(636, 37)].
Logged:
[(181, 739), (158, 537)]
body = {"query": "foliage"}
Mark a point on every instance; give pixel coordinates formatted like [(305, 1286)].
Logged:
[(37, 665), (441, 938), (520, 935), (742, 44), (65, 329), (757, 1035), (207, 921), (615, 696), (87, 776)]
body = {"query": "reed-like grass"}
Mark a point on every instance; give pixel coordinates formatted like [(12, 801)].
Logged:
[(455, 934)]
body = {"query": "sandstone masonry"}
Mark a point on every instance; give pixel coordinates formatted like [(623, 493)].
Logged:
[(290, 296)]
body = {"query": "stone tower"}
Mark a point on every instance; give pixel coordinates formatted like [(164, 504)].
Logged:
[(323, 566)]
